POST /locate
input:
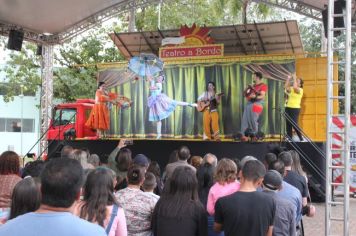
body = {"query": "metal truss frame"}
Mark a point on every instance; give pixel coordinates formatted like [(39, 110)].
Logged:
[(295, 6), (46, 93)]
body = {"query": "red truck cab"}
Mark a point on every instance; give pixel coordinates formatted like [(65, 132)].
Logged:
[(68, 120)]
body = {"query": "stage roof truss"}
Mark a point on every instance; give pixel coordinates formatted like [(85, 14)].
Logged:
[(257, 38)]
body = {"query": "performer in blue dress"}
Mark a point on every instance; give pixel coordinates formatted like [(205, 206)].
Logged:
[(160, 105)]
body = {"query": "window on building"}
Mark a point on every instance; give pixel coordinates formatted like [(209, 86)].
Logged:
[(15, 125), (2, 124)]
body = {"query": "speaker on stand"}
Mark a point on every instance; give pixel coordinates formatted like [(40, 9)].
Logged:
[(15, 40)]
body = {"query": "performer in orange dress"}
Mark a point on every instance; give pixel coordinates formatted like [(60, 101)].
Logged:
[(99, 115)]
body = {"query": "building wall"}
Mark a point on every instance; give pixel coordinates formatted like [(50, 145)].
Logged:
[(29, 107)]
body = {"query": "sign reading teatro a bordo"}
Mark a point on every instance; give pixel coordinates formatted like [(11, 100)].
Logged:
[(194, 42)]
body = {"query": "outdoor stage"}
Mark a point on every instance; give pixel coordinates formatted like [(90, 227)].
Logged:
[(159, 150)]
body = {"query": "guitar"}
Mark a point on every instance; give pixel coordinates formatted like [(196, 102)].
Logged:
[(202, 105), (249, 91)]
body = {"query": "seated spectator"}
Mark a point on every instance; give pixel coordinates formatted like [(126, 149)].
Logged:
[(9, 176), (155, 169), (26, 197), (138, 206), (94, 160), (183, 155), (149, 185), (82, 157), (196, 161), (284, 220), (33, 169), (246, 212), (225, 183), (179, 212), (99, 204), (61, 181)]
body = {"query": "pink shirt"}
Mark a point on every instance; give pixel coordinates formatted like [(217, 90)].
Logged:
[(217, 191)]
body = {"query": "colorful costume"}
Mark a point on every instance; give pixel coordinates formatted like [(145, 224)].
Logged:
[(161, 106), (253, 110), (99, 115), (210, 117)]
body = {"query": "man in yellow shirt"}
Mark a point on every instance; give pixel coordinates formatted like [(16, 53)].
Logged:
[(292, 109)]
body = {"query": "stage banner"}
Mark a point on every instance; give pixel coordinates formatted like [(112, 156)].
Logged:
[(337, 142), (192, 52)]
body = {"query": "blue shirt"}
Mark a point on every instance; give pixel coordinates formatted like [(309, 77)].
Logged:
[(292, 194), (53, 224)]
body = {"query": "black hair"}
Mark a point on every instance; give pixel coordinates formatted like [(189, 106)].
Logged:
[(205, 176), (183, 153), (277, 165), (98, 193), (173, 157), (66, 150), (253, 170), (61, 181), (33, 168), (180, 195), (123, 159), (301, 82), (270, 157), (26, 197), (135, 174), (210, 82), (154, 168), (286, 158), (258, 74), (100, 84)]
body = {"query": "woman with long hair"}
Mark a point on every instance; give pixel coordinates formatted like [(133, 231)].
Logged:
[(9, 176), (294, 93), (26, 197), (296, 166), (99, 204), (179, 211)]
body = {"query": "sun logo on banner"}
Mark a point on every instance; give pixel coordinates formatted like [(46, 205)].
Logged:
[(195, 35)]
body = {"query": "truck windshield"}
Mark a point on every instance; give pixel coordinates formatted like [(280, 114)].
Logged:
[(64, 116)]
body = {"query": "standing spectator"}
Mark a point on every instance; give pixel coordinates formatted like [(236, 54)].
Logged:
[(9, 176), (82, 157), (196, 161), (26, 197), (183, 156), (141, 160), (120, 159), (226, 184), (179, 212), (288, 191), (33, 169), (205, 175), (149, 185), (296, 166), (99, 204), (66, 151), (269, 158), (292, 177), (284, 220), (61, 181), (138, 206), (94, 160), (246, 212), (173, 157), (156, 171), (210, 158)]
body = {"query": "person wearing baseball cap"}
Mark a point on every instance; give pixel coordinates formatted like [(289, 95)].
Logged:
[(284, 220)]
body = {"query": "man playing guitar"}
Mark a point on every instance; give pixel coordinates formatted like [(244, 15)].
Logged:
[(208, 103), (255, 96)]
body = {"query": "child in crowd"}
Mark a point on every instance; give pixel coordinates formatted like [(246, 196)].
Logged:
[(150, 184)]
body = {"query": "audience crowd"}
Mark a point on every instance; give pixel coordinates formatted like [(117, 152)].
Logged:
[(193, 195)]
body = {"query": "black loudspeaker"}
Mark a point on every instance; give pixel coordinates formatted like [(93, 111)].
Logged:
[(15, 40), (338, 21)]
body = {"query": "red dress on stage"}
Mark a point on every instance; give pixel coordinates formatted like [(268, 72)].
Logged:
[(99, 115)]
